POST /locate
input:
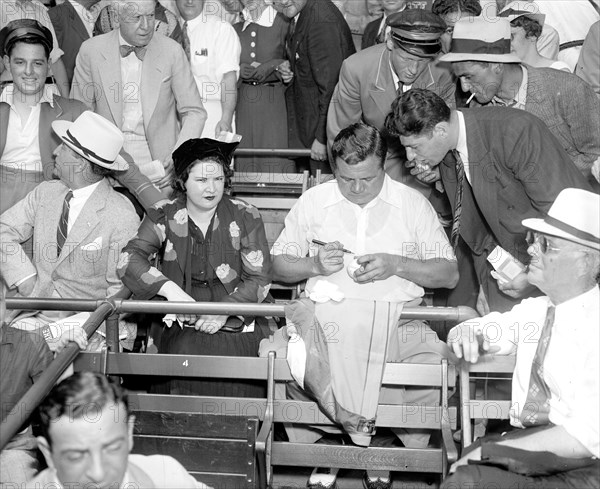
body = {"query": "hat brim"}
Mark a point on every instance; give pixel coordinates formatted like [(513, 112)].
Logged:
[(61, 128), (487, 58), (543, 227), (539, 18)]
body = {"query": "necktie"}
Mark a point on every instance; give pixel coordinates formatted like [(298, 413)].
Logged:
[(126, 50), (380, 39), (288, 41), (536, 409), (460, 177), (185, 40), (63, 224)]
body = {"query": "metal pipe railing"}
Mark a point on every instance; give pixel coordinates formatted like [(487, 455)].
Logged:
[(101, 309), (461, 313), (272, 152)]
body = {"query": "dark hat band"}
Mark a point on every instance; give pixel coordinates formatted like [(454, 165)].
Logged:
[(563, 226), (475, 46), (422, 49), (87, 152), (517, 13)]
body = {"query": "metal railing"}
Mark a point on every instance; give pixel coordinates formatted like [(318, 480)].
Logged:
[(109, 310)]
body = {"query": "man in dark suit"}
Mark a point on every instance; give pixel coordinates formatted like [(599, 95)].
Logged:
[(509, 165), (566, 104), (375, 32), (73, 22), (370, 79), (319, 40)]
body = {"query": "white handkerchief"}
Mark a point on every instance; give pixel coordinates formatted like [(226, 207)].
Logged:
[(95, 245), (169, 319), (324, 291)]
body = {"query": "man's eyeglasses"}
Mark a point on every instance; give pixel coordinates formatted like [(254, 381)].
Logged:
[(533, 237)]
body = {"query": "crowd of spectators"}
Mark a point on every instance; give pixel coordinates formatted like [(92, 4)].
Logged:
[(454, 134)]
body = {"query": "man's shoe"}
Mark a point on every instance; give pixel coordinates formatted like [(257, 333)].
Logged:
[(377, 483), (322, 478)]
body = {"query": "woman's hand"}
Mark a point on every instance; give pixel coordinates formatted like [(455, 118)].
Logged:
[(173, 293), (210, 324)]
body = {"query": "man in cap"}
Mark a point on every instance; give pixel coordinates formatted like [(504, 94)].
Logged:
[(376, 31), (86, 436), (497, 166), (370, 80), (27, 109), (481, 57), (556, 408), (318, 41), (142, 82), (79, 225)]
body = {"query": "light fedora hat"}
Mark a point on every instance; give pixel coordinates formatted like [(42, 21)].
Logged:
[(514, 10), (95, 138), (481, 39), (574, 216)]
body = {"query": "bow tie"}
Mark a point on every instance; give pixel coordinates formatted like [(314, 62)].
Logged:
[(140, 51)]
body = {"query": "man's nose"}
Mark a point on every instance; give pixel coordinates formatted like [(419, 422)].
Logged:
[(144, 23), (410, 154), (357, 186), (29, 68), (95, 470)]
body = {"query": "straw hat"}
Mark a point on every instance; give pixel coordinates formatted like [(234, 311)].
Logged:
[(95, 138), (574, 216), (481, 39)]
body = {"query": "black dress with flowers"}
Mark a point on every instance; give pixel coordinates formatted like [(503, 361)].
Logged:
[(230, 264)]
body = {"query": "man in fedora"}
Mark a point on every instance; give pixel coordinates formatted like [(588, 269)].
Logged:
[(497, 166), (555, 409), (370, 79), (481, 57), (79, 224)]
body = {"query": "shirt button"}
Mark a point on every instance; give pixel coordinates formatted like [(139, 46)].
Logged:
[(253, 34), (252, 44), (252, 55)]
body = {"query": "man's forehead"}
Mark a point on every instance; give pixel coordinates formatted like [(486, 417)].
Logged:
[(132, 9), (370, 167)]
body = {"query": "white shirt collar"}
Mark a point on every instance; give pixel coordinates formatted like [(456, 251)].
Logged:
[(266, 19), (85, 192), (461, 144), (518, 101), (47, 94), (571, 307)]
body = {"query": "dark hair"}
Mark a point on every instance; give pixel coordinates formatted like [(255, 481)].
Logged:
[(76, 395), (100, 170), (355, 143), (531, 27), (178, 183), (26, 40), (416, 112), (443, 7)]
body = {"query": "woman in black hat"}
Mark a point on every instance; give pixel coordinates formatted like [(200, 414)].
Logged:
[(210, 247)]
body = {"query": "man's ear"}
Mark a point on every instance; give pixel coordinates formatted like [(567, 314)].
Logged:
[(44, 446), (130, 425), (441, 129), (6, 62)]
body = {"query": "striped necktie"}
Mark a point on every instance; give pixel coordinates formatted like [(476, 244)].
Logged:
[(460, 177), (63, 224), (185, 41), (537, 406)]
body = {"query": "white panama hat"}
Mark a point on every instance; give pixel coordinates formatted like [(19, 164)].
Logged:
[(574, 216), (95, 138), (481, 39)]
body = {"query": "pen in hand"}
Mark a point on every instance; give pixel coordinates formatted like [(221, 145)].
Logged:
[(322, 243)]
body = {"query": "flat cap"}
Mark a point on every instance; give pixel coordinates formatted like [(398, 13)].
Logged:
[(417, 31), (21, 29)]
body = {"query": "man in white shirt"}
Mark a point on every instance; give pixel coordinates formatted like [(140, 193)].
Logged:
[(87, 436), (213, 49), (556, 386), (395, 235), (79, 225)]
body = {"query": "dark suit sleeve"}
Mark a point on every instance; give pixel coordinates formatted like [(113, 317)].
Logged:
[(540, 164), (326, 50)]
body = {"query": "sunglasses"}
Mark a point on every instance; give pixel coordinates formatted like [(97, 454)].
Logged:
[(533, 237)]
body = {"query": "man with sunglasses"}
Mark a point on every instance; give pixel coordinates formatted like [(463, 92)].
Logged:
[(498, 166), (556, 386)]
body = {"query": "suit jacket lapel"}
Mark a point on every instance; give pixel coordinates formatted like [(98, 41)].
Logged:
[(110, 74), (76, 22), (383, 90), (152, 77), (482, 172), (425, 79), (86, 221), (300, 31)]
